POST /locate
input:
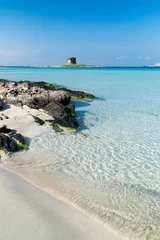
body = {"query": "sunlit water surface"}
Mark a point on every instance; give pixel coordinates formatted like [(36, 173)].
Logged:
[(116, 156)]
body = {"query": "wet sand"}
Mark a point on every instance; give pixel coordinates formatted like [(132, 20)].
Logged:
[(27, 212)]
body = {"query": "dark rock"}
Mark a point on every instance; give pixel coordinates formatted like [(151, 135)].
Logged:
[(41, 95), (1, 104), (19, 138), (78, 94), (6, 117), (13, 145), (4, 129), (62, 97), (71, 108), (6, 140), (61, 115), (38, 120), (7, 143), (49, 120), (1, 142)]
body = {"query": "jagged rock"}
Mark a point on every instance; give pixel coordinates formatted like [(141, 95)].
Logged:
[(38, 120), (61, 97), (61, 115)]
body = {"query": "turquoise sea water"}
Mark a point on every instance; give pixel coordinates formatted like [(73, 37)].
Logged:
[(116, 156)]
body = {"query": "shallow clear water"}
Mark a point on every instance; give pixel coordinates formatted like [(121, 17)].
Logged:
[(117, 154)]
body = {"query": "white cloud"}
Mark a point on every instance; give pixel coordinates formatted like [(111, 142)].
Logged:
[(148, 58), (121, 57)]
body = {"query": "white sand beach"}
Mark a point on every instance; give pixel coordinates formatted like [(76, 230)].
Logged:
[(27, 212), (21, 120)]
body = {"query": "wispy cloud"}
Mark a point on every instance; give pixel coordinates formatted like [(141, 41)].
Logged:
[(18, 53), (10, 53), (121, 57), (145, 58)]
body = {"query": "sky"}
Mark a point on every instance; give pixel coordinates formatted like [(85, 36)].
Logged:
[(101, 32)]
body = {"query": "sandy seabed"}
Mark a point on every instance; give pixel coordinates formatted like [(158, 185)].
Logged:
[(28, 212)]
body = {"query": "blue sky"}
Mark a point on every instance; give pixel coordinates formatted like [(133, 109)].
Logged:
[(102, 32)]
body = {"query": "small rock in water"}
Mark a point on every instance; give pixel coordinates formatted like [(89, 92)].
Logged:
[(6, 117)]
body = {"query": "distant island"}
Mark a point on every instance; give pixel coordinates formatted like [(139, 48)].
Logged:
[(155, 65), (66, 66), (71, 63)]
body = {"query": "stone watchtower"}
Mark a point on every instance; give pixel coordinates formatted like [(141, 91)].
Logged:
[(71, 60)]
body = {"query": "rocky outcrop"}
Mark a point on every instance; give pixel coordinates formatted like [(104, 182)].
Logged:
[(34, 95), (11, 141), (41, 95)]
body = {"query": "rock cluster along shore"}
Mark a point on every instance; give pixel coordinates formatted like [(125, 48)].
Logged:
[(10, 140), (54, 100), (41, 95)]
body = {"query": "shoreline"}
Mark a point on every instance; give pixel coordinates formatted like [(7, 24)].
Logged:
[(21, 120), (104, 233), (58, 214)]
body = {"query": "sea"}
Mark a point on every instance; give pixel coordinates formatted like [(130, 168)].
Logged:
[(110, 168)]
